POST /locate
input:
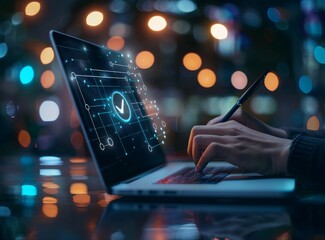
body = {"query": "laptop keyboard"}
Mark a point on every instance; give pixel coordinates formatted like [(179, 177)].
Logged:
[(210, 175)]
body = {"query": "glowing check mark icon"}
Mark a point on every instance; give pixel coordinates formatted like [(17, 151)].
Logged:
[(120, 109)]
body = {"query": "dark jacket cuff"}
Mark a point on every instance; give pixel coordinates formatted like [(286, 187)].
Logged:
[(300, 162)]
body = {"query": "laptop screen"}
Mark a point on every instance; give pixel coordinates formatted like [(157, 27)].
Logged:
[(121, 125)]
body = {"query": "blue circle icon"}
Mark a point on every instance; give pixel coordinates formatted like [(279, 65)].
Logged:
[(121, 106)]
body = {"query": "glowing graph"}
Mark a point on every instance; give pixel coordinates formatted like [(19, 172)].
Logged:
[(114, 100)]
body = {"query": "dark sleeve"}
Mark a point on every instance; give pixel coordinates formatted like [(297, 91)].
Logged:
[(307, 159)]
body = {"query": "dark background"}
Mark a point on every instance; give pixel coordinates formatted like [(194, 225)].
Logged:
[(291, 45)]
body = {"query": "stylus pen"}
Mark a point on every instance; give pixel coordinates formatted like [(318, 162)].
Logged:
[(245, 96)]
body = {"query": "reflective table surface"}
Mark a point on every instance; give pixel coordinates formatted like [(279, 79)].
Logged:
[(62, 198)]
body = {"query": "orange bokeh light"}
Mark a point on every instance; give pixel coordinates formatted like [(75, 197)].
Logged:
[(50, 210), (47, 55), (192, 61), (313, 123), (207, 78), (115, 43), (271, 81), (32, 8), (47, 79), (78, 188), (144, 59), (24, 138)]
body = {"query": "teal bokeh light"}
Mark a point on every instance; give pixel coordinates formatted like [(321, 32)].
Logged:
[(319, 54), (305, 84), (28, 190), (26, 75)]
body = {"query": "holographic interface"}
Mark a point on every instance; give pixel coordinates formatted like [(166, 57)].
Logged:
[(111, 98)]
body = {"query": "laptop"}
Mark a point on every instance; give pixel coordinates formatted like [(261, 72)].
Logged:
[(125, 133)]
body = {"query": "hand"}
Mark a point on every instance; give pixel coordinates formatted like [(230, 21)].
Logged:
[(249, 121), (239, 145)]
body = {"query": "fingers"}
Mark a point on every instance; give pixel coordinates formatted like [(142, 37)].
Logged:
[(214, 151), (202, 141), (221, 129)]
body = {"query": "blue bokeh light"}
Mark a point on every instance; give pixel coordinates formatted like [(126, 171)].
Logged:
[(305, 84), (274, 15), (28, 190), (319, 54), (26, 75), (3, 50)]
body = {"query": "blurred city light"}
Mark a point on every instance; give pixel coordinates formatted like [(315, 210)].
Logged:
[(32, 8), (274, 14), (50, 210), (239, 80), (78, 188), (305, 84), (157, 23), (26, 75), (24, 138), (48, 200), (47, 79), (264, 105), (47, 55), (94, 18), (271, 81), (309, 105), (186, 6), (28, 190), (192, 61), (319, 54), (313, 123), (3, 49), (50, 172), (219, 31), (144, 59), (207, 78), (115, 43), (49, 111)]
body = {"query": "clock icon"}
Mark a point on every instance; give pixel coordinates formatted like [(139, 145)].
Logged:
[(121, 106)]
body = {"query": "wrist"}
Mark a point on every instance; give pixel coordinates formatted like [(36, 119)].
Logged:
[(282, 158)]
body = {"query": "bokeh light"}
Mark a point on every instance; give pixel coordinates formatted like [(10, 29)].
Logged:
[(50, 210), (192, 61), (47, 79), (77, 139), (78, 188), (48, 200), (274, 14), (47, 55), (115, 43), (144, 59), (219, 31), (319, 54), (3, 49), (32, 8), (271, 81), (24, 138), (313, 123), (28, 190), (26, 75), (305, 84), (94, 18), (239, 80), (265, 105), (49, 111), (157, 23), (206, 78), (186, 6)]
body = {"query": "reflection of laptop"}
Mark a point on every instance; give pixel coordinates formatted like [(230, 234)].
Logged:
[(132, 220), (124, 132)]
